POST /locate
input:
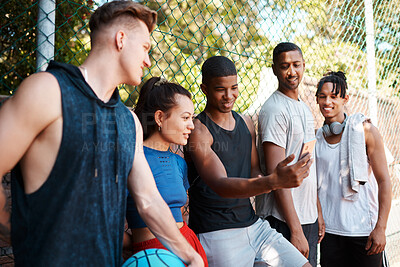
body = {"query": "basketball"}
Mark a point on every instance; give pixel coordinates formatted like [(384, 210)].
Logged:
[(154, 257)]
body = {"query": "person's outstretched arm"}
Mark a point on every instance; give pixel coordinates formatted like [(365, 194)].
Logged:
[(152, 207), (212, 171), (376, 153), (273, 154)]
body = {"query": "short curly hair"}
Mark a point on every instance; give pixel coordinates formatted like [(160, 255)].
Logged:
[(217, 66), (284, 47)]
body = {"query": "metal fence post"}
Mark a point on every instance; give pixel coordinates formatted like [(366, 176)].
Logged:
[(45, 33), (371, 70)]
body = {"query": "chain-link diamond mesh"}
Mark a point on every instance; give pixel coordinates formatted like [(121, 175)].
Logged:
[(331, 33)]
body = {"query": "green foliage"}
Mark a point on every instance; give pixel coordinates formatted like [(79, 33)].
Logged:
[(72, 33), (189, 32), (332, 36), (330, 32), (17, 43), (349, 23)]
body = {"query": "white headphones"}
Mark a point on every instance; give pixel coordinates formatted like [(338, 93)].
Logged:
[(334, 128)]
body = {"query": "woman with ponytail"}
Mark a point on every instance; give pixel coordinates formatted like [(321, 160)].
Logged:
[(353, 180), (165, 111)]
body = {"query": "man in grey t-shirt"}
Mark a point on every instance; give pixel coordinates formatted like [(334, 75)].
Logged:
[(285, 123)]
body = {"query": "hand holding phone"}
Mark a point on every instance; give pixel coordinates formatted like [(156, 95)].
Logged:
[(308, 147)]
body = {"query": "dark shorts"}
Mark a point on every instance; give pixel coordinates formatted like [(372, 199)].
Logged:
[(310, 232), (348, 251)]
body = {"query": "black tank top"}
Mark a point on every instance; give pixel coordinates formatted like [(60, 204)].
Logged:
[(208, 211), (76, 218)]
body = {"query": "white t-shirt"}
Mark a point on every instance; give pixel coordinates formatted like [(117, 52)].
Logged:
[(288, 123), (343, 217)]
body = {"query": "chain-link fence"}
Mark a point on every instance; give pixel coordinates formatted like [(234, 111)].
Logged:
[(359, 37)]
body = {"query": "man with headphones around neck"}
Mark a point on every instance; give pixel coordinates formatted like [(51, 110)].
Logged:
[(285, 123), (353, 181)]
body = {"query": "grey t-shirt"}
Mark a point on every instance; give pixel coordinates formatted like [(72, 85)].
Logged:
[(288, 123)]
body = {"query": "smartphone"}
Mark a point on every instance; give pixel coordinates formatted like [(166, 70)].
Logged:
[(308, 146)]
